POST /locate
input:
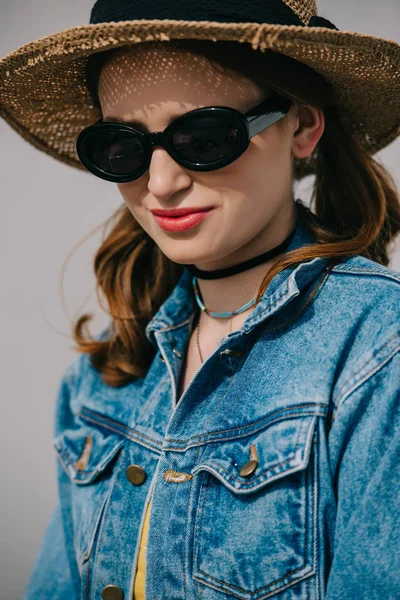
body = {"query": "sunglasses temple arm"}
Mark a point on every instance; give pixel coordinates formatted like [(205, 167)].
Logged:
[(259, 123)]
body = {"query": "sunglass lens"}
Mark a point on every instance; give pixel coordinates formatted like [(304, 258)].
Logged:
[(115, 153), (205, 139)]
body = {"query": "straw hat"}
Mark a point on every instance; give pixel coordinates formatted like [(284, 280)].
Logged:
[(45, 98)]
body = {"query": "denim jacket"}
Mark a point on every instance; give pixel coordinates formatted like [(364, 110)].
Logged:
[(276, 475)]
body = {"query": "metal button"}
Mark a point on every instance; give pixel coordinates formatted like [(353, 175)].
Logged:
[(112, 592), (248, 469), (135, 474)]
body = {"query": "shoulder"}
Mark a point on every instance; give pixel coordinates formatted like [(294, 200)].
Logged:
[(79, 377), (365, 286), (364, 299), (81, 367), (82, 390), (365, 268)]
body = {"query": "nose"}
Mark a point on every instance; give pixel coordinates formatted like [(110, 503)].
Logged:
[(166, 176)]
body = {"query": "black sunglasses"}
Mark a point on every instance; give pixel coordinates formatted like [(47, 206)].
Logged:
[(204, 139)]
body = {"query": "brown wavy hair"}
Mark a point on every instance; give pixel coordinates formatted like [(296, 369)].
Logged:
[(356, 211)]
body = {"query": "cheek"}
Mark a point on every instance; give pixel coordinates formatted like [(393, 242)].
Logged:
[(267, 165), (265, 150), (254, 173), (269, 147), (127, 190), (131, 193)]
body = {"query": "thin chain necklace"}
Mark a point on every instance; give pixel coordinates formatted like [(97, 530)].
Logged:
[(215, 314), (226, 272), (198, 335)]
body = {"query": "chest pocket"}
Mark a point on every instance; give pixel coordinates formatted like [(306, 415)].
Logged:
[(87, 454), (254, 534)]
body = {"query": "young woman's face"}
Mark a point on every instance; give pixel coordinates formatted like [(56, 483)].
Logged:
[(252, 196)]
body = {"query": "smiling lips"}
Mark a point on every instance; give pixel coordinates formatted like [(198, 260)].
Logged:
[(180, 212), (186, 219)]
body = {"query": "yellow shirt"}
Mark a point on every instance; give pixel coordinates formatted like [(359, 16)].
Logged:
[(138, 591)]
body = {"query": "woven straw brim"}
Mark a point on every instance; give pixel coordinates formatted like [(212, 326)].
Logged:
[(44, 97)]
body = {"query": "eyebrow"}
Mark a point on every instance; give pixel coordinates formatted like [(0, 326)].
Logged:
[(135, 123)]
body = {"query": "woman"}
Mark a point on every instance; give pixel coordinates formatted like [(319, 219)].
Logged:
[(234, 432)]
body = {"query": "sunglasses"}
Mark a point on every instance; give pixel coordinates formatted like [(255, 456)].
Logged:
[(203, 139)]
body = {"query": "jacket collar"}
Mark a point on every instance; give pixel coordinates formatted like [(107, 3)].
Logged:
[(181, 305)]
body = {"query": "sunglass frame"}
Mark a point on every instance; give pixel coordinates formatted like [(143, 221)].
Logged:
[(248, 125)]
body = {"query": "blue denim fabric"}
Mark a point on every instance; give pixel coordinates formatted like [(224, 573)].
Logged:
[(317, 398)]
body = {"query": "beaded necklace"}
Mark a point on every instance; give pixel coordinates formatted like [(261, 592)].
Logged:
[(218, 274)]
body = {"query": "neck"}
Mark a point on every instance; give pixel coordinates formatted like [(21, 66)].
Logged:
[(229, 293)]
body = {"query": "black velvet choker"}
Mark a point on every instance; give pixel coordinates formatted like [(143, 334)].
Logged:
[(248, 264)]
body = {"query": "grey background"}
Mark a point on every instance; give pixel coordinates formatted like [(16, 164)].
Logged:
[(46, 209)]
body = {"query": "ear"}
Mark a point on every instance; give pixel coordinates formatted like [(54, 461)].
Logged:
[(309, 127)]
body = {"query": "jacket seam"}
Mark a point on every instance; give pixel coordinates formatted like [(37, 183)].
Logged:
[(113, 425), (361, 377), (275, 416), (253, 483), (358, 271)]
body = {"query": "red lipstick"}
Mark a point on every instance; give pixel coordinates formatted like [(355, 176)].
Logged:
[(180, 212), (184, 217)]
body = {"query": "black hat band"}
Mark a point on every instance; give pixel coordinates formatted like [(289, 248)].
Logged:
[(275, 12)]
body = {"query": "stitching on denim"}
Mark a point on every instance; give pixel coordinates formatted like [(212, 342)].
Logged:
[(375, 352), (305, 482), (303, 309), (271, 304), (371, 271), (258, 589), (354, 384), (280, 414), (101, 519), (203, 493), (124, 427), (311, 498), (263, 420), (208, 576), (244, 484), (84, 558), (290, 456), (197, 452), (171, 327), (62, 449), (249, 484), (268, 594), (64, 458), (315, 450), (134, 436)]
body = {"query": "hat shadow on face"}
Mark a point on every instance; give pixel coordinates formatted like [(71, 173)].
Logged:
[(136, 84)]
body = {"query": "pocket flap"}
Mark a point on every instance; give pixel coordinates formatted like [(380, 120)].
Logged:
[(86, 452), (279, 449)]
